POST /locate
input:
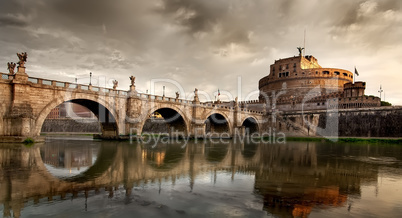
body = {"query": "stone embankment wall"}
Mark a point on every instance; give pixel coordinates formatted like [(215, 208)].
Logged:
[(155, 125), (382, 122), (359, 122), (71, 125)]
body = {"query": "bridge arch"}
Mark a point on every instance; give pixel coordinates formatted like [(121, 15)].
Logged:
[(103, 110), (218, 122), (174, 117), (251, 125)]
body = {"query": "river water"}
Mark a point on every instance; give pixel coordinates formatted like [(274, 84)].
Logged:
[(80, 177)]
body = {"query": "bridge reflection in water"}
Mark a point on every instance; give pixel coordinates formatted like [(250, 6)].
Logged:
[(290, 179)]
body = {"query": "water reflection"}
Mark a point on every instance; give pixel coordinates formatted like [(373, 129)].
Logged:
[(67, 158), (294, 179)]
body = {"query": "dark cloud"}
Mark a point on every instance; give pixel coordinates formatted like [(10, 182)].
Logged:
[(199, 43), (10, 20), (218, 19), (196, 15)]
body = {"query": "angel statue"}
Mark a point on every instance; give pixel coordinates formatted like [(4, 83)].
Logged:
[(300, 50), (177, 95), (23, 58), (132, 78), (115, 83), (11, 67)]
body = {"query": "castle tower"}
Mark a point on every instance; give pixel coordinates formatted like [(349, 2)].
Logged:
[(354, 89)]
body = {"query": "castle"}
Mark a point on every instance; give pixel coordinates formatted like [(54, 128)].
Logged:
[(300, 83)]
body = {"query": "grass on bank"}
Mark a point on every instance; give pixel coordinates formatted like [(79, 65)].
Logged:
[(28, 142)]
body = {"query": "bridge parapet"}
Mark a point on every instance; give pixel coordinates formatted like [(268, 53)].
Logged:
[(55, 84), (6, 76)]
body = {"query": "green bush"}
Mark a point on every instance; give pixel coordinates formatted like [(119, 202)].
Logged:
[(28, 141), (385, 103)]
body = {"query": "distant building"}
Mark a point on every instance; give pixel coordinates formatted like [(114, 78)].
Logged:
[(70, 110), (54, 114)]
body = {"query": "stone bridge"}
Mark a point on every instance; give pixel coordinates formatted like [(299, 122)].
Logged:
[(25, 102)]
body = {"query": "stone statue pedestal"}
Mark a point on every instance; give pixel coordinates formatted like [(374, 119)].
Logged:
[(132, 88), (20, 75), (132, 92), (21, 70)]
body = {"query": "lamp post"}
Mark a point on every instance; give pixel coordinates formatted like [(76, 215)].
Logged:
[(90, 78), (380, 91)]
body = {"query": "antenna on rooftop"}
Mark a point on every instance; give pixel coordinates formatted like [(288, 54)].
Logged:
[(304, 44)]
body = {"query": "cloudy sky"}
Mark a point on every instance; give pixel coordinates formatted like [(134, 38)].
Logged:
[(205, 44)]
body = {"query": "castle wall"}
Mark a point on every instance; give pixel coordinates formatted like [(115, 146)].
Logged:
[(309, 81)]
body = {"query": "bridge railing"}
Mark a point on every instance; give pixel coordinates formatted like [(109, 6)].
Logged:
[(5, 76), (96, 89), (230, 108), (75, 86)]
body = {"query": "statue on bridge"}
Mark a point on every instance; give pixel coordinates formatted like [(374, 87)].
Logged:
[(196, 99), (132, 86), (132, 78), (177, 95), (11, 67), (23, 58), (115, 84)]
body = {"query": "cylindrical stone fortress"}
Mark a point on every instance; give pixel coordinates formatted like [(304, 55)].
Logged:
[(301, 76)]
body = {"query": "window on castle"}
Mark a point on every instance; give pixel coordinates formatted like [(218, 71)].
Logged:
[(325, 72), (345, 74), (337, 73), (287, 66), (294, 65)]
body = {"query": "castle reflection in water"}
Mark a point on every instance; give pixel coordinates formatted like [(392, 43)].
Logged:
[(292, 179)]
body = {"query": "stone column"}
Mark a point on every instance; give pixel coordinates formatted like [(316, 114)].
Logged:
[(20, 115), (197, 128), (135, 115)]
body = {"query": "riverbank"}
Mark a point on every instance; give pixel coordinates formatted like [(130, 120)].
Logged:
[(311, 138)]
